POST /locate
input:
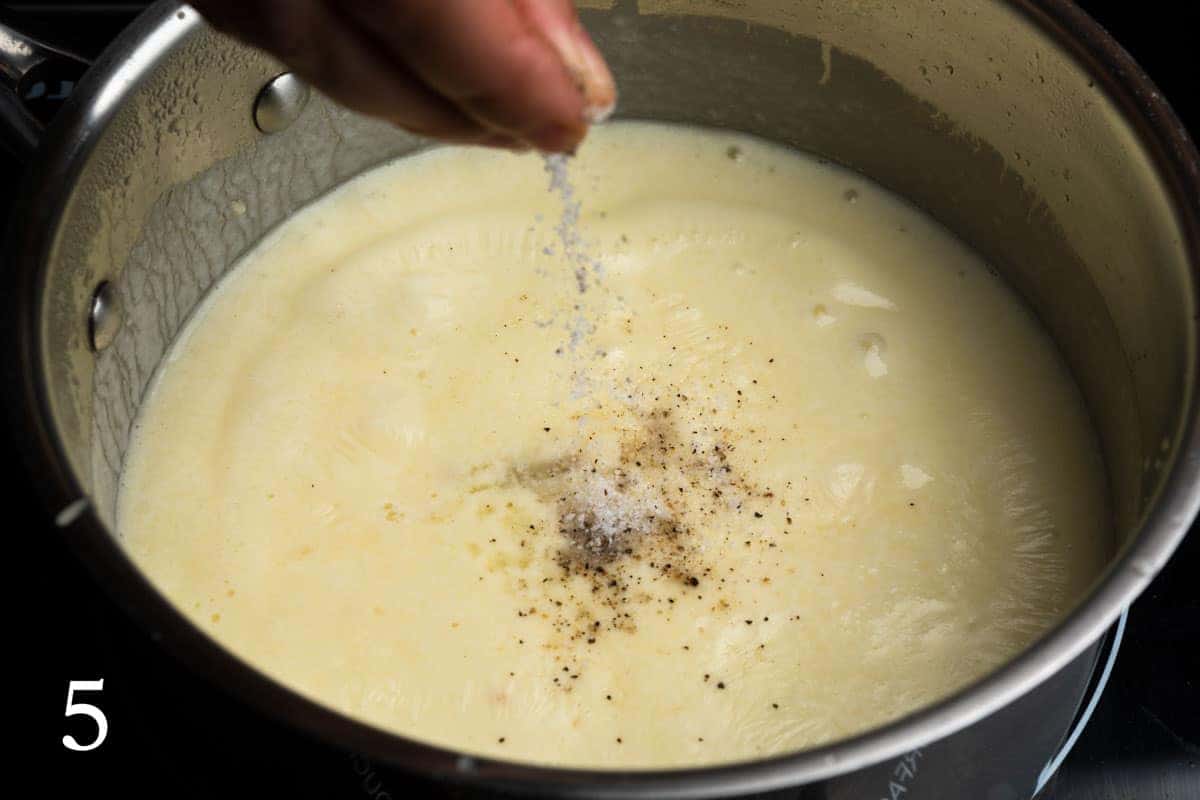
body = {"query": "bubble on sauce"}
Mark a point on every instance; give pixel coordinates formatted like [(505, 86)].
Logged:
[(852, 294), (846, 478), (914, 477), (822, 316), (874, 346)]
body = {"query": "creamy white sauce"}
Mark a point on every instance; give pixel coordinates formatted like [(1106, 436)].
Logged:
[(360, 467)]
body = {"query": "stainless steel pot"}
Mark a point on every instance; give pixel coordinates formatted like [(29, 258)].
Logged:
[(1018, 123)]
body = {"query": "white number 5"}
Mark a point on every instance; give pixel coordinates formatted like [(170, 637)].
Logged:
[(88, 710)]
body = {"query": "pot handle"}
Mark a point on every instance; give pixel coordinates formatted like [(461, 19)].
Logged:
[(35, 77)]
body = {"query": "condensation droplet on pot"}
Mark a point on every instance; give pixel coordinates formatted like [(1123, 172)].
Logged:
[(104, 316), (72, 512)]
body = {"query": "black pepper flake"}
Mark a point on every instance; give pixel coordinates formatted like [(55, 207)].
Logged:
[(721, 685)]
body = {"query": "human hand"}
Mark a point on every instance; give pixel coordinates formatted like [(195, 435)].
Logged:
[(503, 73)]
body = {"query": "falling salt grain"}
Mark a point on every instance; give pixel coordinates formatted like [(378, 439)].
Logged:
[(573, 246)]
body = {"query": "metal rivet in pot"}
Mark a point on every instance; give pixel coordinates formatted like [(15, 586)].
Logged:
[(104, 317), (280, 102)]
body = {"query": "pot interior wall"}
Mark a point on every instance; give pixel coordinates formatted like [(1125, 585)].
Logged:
[(963, 107)]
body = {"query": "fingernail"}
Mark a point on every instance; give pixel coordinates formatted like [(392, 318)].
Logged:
[(588, 69)]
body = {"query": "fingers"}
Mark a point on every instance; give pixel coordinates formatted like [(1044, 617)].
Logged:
[(339, 61), (559, 25), (506, 73), (524, 67)]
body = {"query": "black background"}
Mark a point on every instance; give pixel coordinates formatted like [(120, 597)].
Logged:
[(1143, 742)]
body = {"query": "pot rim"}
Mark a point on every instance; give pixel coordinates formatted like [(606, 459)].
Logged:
[(142, 46)]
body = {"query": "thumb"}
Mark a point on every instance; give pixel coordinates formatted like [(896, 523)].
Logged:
[(556, 21)]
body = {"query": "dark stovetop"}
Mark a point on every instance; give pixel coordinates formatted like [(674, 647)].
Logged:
[(1143, 742)]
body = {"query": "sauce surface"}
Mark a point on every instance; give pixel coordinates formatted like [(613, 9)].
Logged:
[(794, 464)]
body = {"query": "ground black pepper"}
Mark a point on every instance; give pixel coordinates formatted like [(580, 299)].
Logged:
[(633, 533)]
